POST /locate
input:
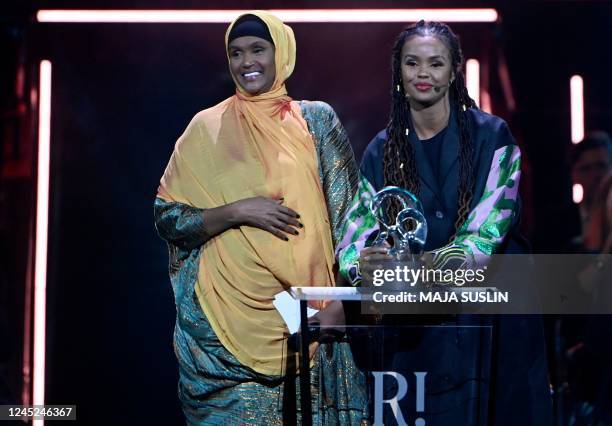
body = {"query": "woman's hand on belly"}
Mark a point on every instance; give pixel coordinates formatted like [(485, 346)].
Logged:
[(267, 214)]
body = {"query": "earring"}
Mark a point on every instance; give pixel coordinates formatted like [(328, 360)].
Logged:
[(398, 88)]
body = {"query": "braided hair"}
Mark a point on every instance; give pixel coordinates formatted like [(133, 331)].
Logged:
[(399, 161)]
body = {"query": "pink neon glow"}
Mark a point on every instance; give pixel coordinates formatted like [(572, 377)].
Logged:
[(506, 83), (42, 221), (472, 77), (577, 102), (577, 193), (485, 101), (26, 390), (287, 15)]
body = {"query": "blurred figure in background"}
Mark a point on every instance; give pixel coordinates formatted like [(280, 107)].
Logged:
[(589, 359), (586, 338), (590, 160)]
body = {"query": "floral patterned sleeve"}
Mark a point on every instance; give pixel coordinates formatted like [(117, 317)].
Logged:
[(476, 240), (489, 222), (358, 225)]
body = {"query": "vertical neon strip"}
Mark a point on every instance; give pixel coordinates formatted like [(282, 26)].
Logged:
[(577, 193), (42, 221), (26, 390), (577, 102), (472, 77)]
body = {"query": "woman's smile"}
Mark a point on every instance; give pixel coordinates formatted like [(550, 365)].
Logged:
[(251, 76), (423, 87)]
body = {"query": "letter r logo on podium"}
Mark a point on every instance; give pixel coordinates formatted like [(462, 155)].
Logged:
[(402, 389)]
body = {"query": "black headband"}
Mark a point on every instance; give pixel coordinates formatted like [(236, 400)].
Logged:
[(249, 25)]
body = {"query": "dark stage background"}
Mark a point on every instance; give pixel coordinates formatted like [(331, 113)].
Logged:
[(122, 94), (116, 116)]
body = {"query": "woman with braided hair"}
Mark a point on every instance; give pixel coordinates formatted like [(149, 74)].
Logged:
[(462, 163), (464, 166)]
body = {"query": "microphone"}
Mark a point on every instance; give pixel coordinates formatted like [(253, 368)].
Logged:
[(437, 89)]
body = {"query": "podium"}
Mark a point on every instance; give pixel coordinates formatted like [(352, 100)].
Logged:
[(418, 372)]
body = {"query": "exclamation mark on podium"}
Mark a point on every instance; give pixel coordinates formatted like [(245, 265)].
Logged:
[(420, 397)]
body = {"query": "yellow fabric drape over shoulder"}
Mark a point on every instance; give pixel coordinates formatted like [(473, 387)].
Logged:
[(249, 146)]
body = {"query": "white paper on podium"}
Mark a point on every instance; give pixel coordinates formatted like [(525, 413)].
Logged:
[(289, 309)]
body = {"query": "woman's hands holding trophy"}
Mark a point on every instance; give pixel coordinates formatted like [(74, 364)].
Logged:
[(407, 232)]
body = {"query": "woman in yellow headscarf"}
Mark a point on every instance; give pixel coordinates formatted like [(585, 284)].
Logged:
[(251, 204)]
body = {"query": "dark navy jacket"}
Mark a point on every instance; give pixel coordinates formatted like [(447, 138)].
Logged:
[(517, 390), (488, 133)]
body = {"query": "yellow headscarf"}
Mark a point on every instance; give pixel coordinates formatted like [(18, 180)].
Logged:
[(249, 146)]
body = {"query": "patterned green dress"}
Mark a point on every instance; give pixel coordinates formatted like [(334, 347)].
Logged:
[(214, 387)]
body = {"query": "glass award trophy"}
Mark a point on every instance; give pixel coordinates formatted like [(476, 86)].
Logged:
[(407, 231), (398, 249)]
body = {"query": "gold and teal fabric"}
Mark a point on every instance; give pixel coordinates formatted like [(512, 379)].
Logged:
[(216, 388)]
